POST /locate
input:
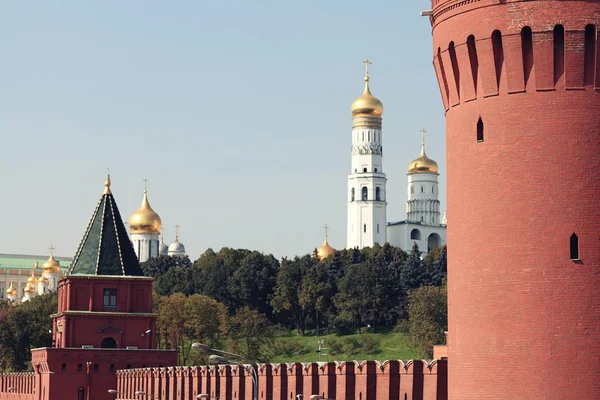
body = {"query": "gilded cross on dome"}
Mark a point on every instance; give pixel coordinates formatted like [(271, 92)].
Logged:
[(177, 233), (51, 248), (423, 132), (326, 229), (367, 62), (145, 184)]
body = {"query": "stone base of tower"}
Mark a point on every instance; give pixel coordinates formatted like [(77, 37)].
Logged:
[(88, 374)]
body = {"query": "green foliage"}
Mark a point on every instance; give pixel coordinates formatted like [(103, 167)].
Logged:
[(250, 334), (428, 317), (25, 326)]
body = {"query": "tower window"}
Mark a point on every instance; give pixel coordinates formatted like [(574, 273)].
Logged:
[(422, 190), (412, 190), (480, 130), (63, 367), (377, 228), (432, 190), (365, 197), (364, 170), (415, 234), (574, 247), (352, 194), (365, 228), (110, 297), (375, 169), (377, 194)]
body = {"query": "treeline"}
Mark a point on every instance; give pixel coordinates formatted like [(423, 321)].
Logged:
[(348, 291)]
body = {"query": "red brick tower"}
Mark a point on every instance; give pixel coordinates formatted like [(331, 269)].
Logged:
[(520, 84)]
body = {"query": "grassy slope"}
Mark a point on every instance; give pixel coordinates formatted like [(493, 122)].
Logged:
[(392, 346)]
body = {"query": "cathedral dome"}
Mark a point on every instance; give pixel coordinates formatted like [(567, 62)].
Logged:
[(32, 279), (28, 289), (176, 247), (145, 220), (325, 250), (163, 249), (367, 104), (423, 163), (11, 291), (51, 265)]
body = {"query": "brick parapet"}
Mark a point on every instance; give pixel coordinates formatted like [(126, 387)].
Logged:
[(366, 380)]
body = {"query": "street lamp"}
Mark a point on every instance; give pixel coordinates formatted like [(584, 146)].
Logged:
[(206, 396), (140, 393), (114, 391), (214, 359)]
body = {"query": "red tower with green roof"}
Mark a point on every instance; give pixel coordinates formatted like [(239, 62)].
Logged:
[(104, 321)]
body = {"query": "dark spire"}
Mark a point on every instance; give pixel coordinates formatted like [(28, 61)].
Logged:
[(105, 248)]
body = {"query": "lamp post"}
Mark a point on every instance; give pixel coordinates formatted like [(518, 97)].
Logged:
[(114, 391), (206, 396), (140, 393), (215, 359)]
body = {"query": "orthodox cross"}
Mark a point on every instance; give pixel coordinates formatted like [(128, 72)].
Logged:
[(51, 248), (326, 229), (145, 184), (367, 62), (423, 132), (177, 233)]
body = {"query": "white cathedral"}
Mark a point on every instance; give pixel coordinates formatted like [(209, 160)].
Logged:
[(367, 200), (145, 228)]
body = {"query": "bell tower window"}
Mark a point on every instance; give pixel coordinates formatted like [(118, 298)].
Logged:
[(365, 197), (377, 194), (352, 194)]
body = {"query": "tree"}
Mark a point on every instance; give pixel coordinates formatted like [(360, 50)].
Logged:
[(203, 319), (286, 298), (428, 317), (170, 323), (159, 266), (253, 283), (250, 333)]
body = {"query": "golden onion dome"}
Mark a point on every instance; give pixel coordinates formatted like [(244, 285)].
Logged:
[(423, 163), (51, 265), (11, 291), (366, 104), (32, 279), (145, 220), (325, 250), (28, 288), (43, 279)]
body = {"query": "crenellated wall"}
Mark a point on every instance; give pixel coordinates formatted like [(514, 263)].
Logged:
[(364, 380), (19, 386)]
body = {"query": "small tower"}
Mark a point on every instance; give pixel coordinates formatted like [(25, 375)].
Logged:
[(423, 205), (11, 292), (176, 248), (325, 250), (423, 225), (366, 181), (145, 225), (51, 271)]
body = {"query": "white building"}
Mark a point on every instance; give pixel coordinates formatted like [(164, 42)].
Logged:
[(366, 181), (20, 279), (424, 224), (145, 225), (367, 220)]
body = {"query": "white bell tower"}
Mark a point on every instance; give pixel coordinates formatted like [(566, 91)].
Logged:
[(366, 181)]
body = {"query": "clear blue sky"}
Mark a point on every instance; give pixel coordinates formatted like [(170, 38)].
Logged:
[(236, 111)]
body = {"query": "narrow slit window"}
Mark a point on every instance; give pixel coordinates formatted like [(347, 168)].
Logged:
[(527, 50), (589, 54), (364, 194), (365, 228), (574, 247), (480, 130), (559, 53)]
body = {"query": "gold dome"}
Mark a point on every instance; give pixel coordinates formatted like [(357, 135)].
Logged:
[(325, 250), (51, 265), (11, 291), (32, 279), (423, 163), (367, 104), (28, 288), (145, 220), (43, 280)]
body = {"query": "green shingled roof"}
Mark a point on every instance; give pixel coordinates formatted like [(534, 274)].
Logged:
[(106, 249)]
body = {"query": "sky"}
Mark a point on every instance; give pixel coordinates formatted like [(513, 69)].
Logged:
[(237, 112)]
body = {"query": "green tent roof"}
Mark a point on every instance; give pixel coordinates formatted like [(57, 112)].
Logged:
[(105, 248)]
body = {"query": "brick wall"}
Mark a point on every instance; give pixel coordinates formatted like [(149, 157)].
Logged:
[(366, 380)]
